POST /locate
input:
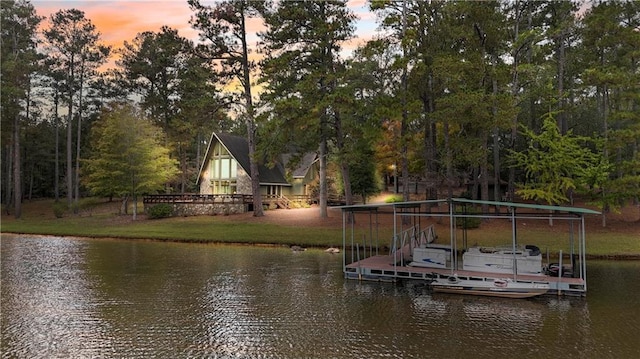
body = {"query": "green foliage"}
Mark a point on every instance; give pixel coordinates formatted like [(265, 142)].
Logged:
[(468, 222), (475, 71), (88, 204), (554, 163), (609, 67), (394, 198), (223, 34), (19, 25), (153, 63), (59, 209), (162, 210), (127, 157), (303, 73), (18, 58), (363, 174)]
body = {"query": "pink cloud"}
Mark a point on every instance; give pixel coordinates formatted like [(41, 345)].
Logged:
[(122, 20)]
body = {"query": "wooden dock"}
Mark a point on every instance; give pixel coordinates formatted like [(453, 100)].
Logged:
[(365, 265), (382, 268)]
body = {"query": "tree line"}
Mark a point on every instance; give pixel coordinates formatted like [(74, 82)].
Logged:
[(539, 95)]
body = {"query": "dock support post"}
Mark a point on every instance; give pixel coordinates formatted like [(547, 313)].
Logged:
[(559, 272)]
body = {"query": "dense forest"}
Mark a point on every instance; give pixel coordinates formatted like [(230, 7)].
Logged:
[(541, 96)]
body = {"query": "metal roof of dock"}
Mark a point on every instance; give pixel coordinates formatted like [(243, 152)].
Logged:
[(409, 204)]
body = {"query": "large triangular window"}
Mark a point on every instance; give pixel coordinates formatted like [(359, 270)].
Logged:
[(224, 171)]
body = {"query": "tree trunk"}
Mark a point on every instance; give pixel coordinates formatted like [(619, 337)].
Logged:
[(76, 196), (8, 170), (124, 205), (323, 178), (430, 144), (404, 160), (344, 166), (56, 185), (562, 118), (32, 172), (346, 178), (199, 150), (448, 160), (255, 175), (497, 192), (17, 180), (484, 173), (251, 126), (70, 138), (135, 206), (183, 168), (511, 186)]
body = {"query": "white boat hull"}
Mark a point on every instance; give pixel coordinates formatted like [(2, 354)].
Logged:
[(501, 261), (432, 256), (504, 288)]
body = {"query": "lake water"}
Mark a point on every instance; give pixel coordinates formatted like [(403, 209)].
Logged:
[(80, 298)]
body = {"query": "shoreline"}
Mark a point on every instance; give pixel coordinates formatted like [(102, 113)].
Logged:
[(609, 257), (305, 228)]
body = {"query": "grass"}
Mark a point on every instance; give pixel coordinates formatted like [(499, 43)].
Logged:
[(102, 221), (191, 229)]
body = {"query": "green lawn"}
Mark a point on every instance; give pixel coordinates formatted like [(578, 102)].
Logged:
[(190, 229), (103, 221)]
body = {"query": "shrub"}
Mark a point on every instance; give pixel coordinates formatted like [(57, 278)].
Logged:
[(466, 194), (87, 205), (394, 198), (162, 210), (468, 222), (59, 209)]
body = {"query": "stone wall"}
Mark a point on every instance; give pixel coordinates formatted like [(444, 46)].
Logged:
[(243, 182), (205, 209)]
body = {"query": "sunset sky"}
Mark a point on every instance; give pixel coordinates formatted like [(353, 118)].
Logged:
[(120, 20)]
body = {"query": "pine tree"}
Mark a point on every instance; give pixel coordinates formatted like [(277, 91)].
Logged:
[(223, 27), (554, 163), (73, 43), (19, 61), (302, 72)]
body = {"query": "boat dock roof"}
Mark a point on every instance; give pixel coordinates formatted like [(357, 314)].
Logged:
[(463, 201), (392, 268)]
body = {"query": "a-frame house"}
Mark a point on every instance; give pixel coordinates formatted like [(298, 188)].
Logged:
[(225, 170)]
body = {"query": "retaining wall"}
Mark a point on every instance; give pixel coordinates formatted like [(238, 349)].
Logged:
[(200, 209)]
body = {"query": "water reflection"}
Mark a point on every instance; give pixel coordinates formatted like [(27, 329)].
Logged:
[(86, 298), (48, 302)]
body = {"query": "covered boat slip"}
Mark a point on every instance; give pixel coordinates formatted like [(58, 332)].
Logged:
[(413, 254)]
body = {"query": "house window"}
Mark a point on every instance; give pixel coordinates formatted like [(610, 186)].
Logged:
[(224, 187), (273, 191), (227, 167), (224, 171)]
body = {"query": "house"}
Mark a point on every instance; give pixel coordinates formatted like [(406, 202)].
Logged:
[(225, 170)]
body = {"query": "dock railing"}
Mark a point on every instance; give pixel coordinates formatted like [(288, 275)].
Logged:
[(403, 243)]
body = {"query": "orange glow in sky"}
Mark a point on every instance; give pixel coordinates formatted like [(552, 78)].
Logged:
[(121, 20)]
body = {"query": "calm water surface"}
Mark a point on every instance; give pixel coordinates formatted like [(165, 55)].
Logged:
[(71, 298)]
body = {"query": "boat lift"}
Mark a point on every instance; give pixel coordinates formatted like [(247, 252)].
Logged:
[(363, 260)]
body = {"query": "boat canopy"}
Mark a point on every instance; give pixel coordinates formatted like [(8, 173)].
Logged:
[(375, 206)]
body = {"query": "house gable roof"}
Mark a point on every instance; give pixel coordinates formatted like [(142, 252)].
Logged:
[(302, 166), (239, 148)]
